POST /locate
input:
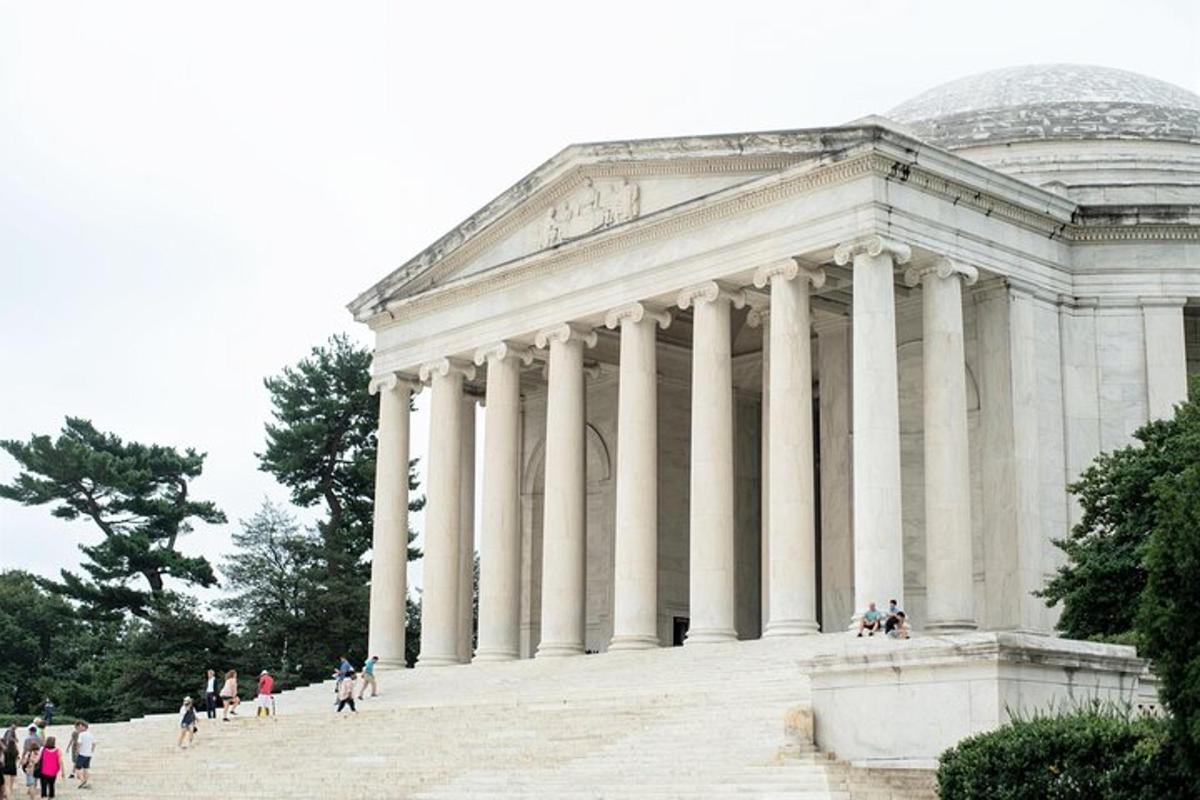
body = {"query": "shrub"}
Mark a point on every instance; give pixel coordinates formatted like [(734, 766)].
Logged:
[(1084, 754)]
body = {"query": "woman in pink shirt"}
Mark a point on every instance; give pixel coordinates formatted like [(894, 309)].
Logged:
[(52, 765)]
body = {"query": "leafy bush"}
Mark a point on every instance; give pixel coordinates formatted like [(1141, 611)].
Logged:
[(1084, 754)]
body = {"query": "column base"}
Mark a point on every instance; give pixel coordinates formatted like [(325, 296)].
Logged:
[(633, 641), (710, 636), (437, 661), (791, 627), (491, 656), (392, 663), (949, 626), (558, 649)]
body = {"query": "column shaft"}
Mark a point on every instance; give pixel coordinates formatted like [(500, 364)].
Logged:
[(439, 603), (711, 570), (500, 540), (791, 513), (466, 529), (949, 569), (635, 572), (564, 529), (878, 534), (389, 559)]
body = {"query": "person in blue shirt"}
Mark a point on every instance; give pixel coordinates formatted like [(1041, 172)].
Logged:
[(871, 621), (368, 678)]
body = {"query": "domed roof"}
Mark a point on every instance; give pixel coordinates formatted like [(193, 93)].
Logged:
[(1051, 101)]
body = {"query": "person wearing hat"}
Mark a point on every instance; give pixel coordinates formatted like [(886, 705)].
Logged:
[(265, 684), (187, 722)]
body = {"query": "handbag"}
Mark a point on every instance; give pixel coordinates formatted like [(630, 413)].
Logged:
[(37, 768)]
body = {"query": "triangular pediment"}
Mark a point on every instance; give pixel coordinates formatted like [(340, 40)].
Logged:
[(587, 189)]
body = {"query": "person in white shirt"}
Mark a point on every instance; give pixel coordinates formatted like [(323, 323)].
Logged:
[(83, 761), (210, 695)]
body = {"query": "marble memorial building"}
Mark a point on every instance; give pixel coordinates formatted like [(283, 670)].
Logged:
[(740, 385)]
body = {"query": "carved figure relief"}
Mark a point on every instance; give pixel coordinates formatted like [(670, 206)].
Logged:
[(592, 208)]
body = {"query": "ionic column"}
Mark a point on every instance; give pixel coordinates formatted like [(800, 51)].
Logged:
[(792, 560), (500, 537), (711, 578), (949, 568), (878, 535), (439, 604), (389, 546), (761, 318), (564, 527), (466, 531), (635, 567)]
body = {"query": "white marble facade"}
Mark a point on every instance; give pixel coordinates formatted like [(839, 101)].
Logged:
[(750, 382)]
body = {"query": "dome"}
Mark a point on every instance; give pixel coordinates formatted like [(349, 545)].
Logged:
[(1051, 102)]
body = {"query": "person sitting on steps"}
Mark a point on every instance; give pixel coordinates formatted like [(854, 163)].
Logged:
[(896, 626), (871, 621)]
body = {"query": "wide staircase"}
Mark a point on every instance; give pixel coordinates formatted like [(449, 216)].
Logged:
[(707, 722)]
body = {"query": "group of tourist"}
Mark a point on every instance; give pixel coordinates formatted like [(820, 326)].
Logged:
[(227, 698), (346, 678), (39, 758), (893, 624)]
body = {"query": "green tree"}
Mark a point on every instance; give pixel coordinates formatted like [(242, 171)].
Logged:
[(136, 494), (1168, 624), (275, 579), (321, 444), (1102, 580)]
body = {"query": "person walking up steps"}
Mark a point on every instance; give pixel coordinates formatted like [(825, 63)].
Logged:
[(265, 684), (368, 678), (50, 765), (187, 723), (30, 754), (73, 748), (346, 693), (83, 761), (229, 695), (210, 695), (11, 758)]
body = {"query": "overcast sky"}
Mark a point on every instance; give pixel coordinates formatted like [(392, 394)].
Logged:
[(190, 193)]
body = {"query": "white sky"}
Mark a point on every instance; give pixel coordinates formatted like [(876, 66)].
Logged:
[(190, 193)]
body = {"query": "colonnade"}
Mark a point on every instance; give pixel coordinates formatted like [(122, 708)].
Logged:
[(789, 512)]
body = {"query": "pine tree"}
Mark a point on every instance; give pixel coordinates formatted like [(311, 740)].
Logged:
[(136, 494)]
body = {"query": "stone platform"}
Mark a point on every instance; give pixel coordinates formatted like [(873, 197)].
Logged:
[(711, 721)]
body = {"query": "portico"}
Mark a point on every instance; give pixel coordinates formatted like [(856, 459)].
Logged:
[(750, 389)]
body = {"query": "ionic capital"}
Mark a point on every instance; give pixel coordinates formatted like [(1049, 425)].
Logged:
[(636, 312), (942, 268), (874, 246), (564, 333), (502, 350), (441, 367), (391, 381), (710, 292), (787, 269)]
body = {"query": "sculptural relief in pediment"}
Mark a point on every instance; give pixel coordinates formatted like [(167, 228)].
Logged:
[(598, 204)]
